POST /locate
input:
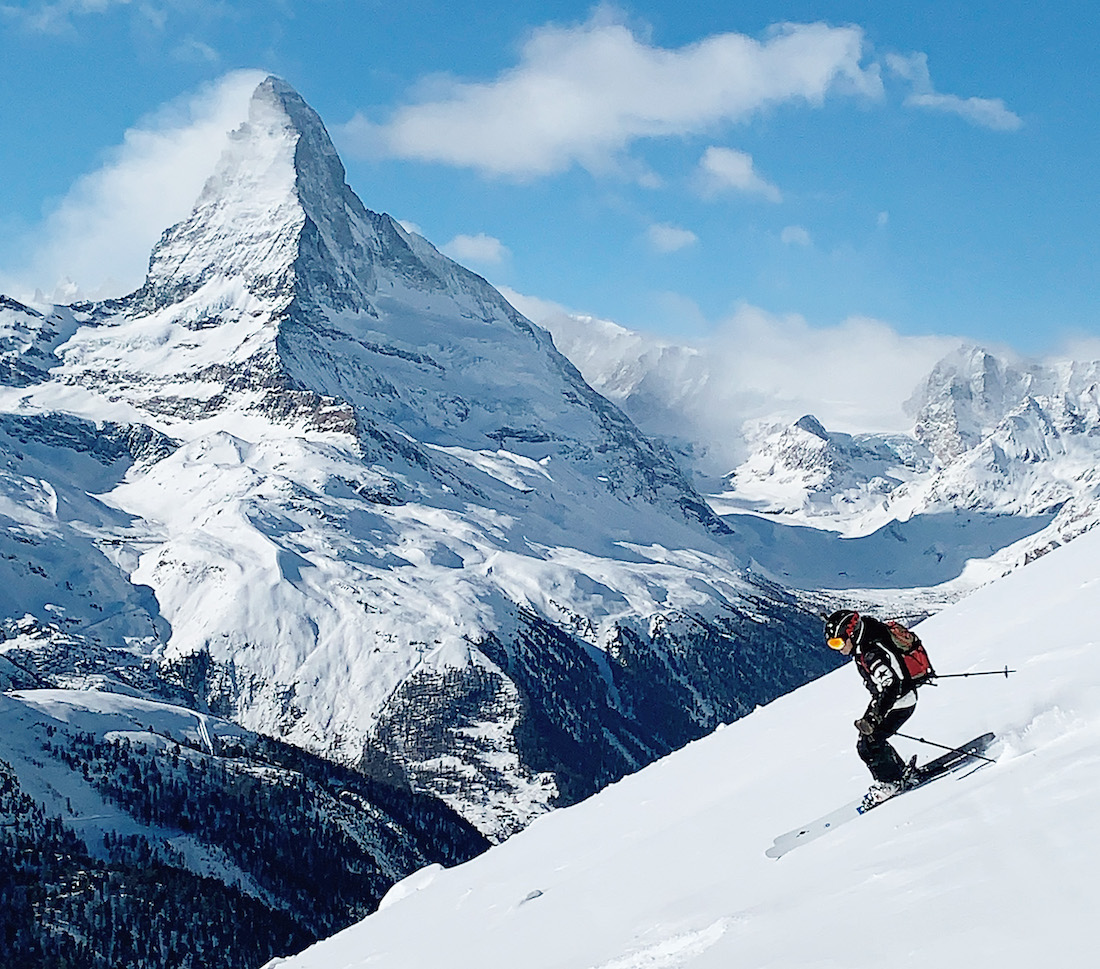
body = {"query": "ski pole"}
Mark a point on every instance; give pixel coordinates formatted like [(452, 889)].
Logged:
[(951, 676), (956, 750)]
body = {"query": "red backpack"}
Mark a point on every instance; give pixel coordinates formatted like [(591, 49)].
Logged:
[(912, 653)]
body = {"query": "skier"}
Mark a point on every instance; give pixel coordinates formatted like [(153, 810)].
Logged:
[(893, 699)]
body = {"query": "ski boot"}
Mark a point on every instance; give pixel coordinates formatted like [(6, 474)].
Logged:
[(880, 791)]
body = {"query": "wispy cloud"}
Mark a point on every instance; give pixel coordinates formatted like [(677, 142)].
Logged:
[(985, 112), (670, 238), (725, 169), (96, 241), (582, 95), (795, 235), (59, 16), (482, 249), (192, 51), (173, 21), (753, 365)]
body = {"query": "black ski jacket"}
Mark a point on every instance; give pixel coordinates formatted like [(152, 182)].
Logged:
[(883, 672)]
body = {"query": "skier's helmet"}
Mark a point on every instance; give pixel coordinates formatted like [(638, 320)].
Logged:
[(841, 625)]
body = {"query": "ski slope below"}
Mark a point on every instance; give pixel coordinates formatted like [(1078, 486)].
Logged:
[(666, 869)]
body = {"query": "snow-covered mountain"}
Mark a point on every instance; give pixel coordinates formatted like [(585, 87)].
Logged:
[(317, 478), (667, 868), (1001, 467), (998, 467), (188, 835)]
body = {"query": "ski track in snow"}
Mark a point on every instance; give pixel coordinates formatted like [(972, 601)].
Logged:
[(671, 952)]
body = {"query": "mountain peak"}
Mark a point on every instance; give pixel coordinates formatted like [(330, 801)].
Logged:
[(278, 182), (321, 175), (312, 305), (277, 222), (811, 425)]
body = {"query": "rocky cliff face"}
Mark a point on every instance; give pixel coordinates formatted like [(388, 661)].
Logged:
[(367, 507), (804, 470)]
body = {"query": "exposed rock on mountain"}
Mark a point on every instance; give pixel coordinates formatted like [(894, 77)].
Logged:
[(803, 469)]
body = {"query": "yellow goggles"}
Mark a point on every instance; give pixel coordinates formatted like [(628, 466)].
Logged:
[(835, 643)]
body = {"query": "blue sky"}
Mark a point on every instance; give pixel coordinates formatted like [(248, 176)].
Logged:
[(663, 165)]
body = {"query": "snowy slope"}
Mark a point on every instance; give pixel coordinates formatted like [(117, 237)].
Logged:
[(178, 824), (25, 719), (667, 867)]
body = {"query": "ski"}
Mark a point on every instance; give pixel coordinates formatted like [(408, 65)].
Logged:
[(939, 767)]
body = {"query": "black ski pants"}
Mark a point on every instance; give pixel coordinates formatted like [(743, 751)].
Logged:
[(884, 763)]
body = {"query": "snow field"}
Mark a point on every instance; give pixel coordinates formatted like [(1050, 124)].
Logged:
[(666, 869)]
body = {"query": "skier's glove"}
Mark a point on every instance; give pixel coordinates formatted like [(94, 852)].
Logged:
[(865, 726)]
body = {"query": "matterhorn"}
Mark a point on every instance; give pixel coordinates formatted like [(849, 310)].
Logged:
[(318, 479)]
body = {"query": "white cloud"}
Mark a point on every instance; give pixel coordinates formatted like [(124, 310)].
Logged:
[(723, 169), (583, 94), (57, 17), (96, 241), (534, 307), (796, 235), (855, 376), (481, 248), (1077, 346), (985, 112), (192, 51), (670, 238)]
